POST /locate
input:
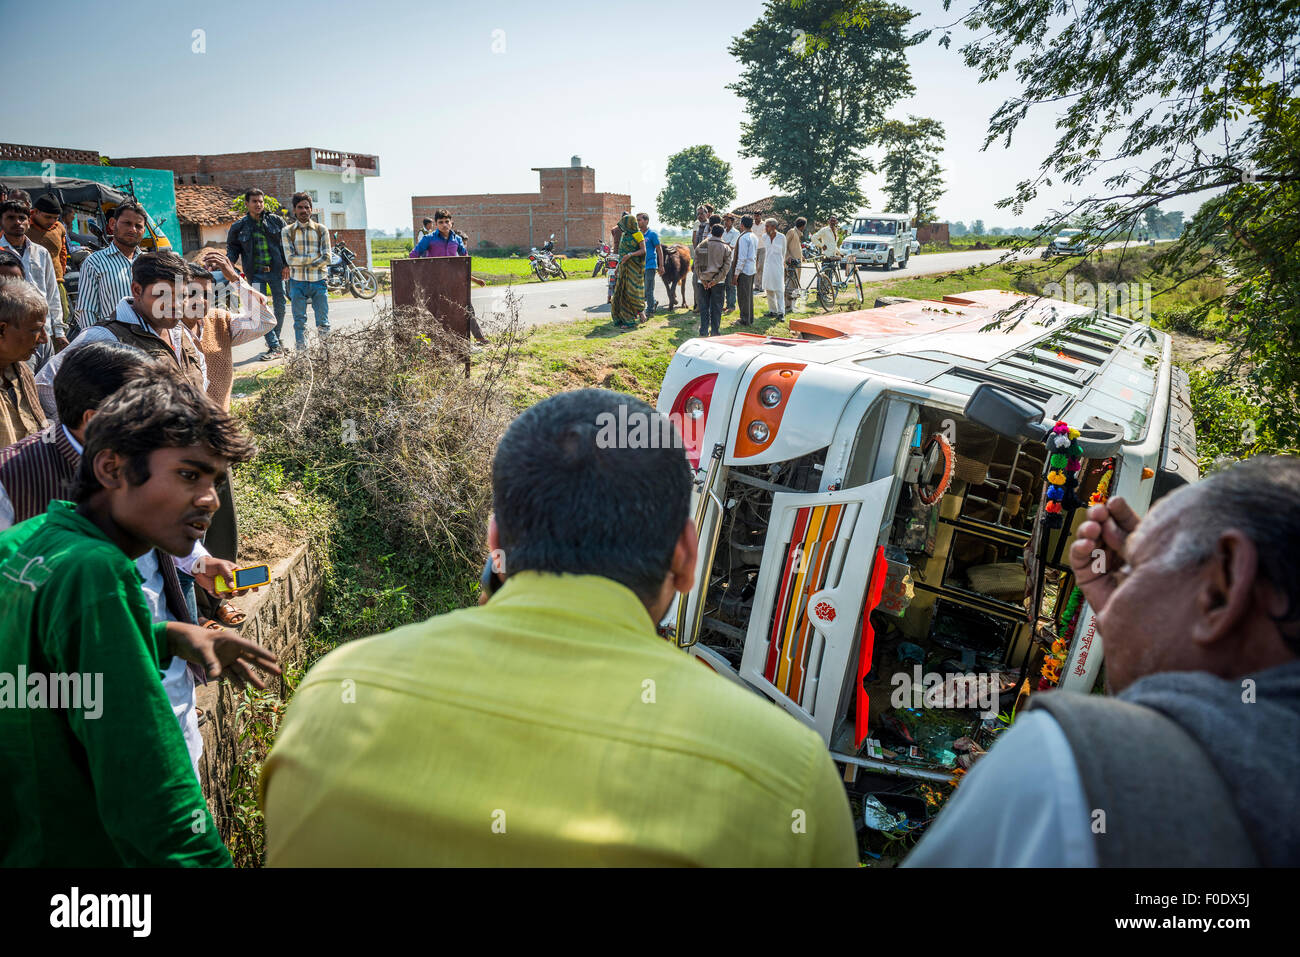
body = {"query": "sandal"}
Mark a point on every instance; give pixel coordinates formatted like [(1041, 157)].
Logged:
[(230, 615), (209, 623)]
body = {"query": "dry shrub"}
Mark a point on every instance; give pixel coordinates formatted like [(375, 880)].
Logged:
[(384, 411)]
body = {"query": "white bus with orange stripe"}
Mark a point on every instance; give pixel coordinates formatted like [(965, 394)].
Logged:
[(811, 491)]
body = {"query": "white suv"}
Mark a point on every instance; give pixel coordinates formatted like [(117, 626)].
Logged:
[(1069, 242), (880, 239)]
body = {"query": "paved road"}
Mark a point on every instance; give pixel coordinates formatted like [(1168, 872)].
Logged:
[(575, 298)]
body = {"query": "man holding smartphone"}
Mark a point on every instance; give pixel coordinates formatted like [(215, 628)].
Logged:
[(42, 468), (111, 784)]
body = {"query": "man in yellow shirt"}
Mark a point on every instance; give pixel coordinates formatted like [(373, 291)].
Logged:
[(553, 726)]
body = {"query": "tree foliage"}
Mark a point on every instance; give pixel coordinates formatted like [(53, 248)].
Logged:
[(816, 83), (913, 176), (270, 205), (1157, 224), (695, 175), (1162, 102)]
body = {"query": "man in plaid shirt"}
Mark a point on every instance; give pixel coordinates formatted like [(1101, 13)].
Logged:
[(307, 251)]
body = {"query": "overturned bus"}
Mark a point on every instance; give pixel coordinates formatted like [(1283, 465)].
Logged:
[(874, 505)]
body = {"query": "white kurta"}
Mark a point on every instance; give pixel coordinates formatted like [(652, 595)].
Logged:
[(773, 270)]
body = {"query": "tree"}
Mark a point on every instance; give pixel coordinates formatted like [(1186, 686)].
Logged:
[(815, 86), (1165, 101), (1153, 218), (272, 205), (695, 175), (913, 177), (977, 227), (957, 229)]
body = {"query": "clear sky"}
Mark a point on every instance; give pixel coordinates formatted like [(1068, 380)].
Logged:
[(454, 97)]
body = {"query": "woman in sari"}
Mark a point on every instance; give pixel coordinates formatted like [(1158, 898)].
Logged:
[(628, 304)]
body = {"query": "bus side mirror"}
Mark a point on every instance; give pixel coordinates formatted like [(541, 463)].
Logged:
[(1004, 413), (1099, 438)]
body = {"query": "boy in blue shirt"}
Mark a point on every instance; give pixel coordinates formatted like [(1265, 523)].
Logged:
[(652, 264)]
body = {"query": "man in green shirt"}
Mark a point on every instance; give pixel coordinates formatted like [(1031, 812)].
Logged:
[(553, 726), (94, 770)]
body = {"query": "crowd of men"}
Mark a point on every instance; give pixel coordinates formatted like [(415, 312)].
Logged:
[(117, 522), (730, 264), (551, 724), (731, 260)]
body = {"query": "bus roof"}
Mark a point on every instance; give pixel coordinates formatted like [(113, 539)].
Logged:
[(1108, 368)]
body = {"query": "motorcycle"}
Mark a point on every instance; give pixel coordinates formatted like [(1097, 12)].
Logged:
[(602, 252), (545, 265), (344, 273), (611, 267)]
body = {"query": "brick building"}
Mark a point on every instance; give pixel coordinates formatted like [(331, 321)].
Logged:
[(335, 180), (566, 204)]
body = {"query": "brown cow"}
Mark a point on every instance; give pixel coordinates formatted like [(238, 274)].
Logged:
[(676, 261)]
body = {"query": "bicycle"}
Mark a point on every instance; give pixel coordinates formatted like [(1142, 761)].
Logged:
[(829, 280)]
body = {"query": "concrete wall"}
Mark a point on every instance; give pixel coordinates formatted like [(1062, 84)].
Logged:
[(153, 187), (353, 206)]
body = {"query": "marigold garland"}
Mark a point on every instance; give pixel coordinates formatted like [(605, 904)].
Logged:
[(1050, 676), (1103, 487)]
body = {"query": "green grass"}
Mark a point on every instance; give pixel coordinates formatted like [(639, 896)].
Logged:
[(496, 270)]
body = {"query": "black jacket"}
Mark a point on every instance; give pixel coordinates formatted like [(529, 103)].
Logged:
[(239, 242)]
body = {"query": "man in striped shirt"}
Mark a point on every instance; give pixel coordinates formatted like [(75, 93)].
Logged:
[(307, 251), (106, 273)]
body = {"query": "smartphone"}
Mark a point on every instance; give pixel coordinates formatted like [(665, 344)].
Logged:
[(490, 580), (248, 577)]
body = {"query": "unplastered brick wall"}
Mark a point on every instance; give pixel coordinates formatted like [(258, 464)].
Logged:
[(280, 617), (933, 233), (271, 171), (274, 182), (356, 241), (39, 154), (504, 219), (222, 162)]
